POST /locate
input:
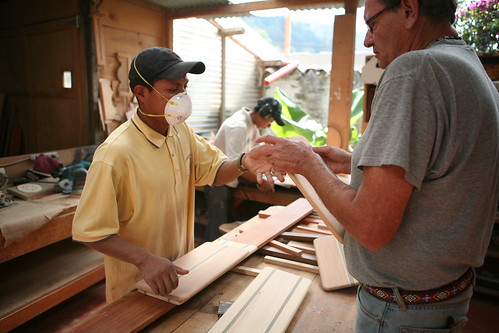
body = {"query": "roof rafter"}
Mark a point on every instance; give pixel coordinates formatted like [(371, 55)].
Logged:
[(226, 10)]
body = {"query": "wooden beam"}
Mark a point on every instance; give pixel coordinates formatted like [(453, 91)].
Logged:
[(340, 93), (168, 30), (225, 10)]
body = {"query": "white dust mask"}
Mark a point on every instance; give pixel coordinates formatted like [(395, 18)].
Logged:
[(177, 109)]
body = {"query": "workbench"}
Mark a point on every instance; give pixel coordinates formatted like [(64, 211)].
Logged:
[(44, 267), (320, 311)]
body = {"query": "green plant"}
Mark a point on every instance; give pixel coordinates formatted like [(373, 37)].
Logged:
[(298, 122), (478, 25), (356, 116)]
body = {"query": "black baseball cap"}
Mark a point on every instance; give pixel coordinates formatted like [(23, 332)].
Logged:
[(160, 63), (269, 106)]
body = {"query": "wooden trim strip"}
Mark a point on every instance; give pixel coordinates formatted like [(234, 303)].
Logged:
[(286, 248), (314, 230), (291, 264), (306, 258), (305, 247)]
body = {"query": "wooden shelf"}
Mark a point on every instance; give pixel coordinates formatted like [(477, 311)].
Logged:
[(55, 230), (45, 278)]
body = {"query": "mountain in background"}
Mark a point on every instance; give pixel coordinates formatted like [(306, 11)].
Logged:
[(305, 37)]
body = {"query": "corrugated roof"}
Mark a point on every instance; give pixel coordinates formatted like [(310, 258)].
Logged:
[(186, 4), (176, 4)]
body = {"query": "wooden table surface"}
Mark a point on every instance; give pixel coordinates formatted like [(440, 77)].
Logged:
[(320, 311)]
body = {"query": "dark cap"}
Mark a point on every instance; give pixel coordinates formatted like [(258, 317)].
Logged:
[(269, 106), (160, 63)]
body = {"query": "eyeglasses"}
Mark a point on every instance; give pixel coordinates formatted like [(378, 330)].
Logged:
[(375, 16)]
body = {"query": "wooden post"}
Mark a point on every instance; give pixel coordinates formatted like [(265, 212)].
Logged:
[(168, 38), (340, 93)]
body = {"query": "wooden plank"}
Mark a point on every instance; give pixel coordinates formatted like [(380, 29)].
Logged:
[(332, 264), (141, 310), (269, 211), (301, 236), (268, 304), (273, 225), (34, 190), (305, 247), (246, 270), (310, 219), (313, 230), (309, 192), (304, 257), (291, 264), (206, 263), (284, 247), (106, 97)]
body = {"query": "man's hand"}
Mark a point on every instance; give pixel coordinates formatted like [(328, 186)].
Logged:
[(258, 162), (280, 156), (337, 159), (161, 274), (266, 187)]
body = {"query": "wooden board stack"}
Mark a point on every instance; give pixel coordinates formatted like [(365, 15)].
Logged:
[(268, 304)]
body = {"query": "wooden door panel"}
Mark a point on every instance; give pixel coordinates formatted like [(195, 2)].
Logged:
[(58, 113)]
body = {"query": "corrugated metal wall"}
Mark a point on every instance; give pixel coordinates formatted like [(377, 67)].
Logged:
[(243, 86), (198, 40)]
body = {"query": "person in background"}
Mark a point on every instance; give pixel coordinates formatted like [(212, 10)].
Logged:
[(421, 205), (137, 206), (237, 135)]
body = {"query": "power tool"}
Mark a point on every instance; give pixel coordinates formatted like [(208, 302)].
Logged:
[(73, 177)]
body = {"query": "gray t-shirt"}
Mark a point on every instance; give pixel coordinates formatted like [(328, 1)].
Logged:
[(435, 114)]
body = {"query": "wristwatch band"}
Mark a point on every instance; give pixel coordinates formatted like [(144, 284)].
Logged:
[(240, 163)]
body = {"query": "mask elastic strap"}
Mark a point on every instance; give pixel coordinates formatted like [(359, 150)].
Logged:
[(155, 115)]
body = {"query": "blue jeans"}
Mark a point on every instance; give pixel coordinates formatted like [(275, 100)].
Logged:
[(375, 315)]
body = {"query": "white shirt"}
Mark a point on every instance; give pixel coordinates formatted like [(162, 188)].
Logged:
[(237, 135)]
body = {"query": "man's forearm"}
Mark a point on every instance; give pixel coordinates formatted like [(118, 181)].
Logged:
[(119, 248)]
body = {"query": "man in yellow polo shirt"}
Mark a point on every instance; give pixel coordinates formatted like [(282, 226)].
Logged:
[(137, 206)]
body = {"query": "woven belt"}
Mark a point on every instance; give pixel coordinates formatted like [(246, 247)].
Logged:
[(424, 296)]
